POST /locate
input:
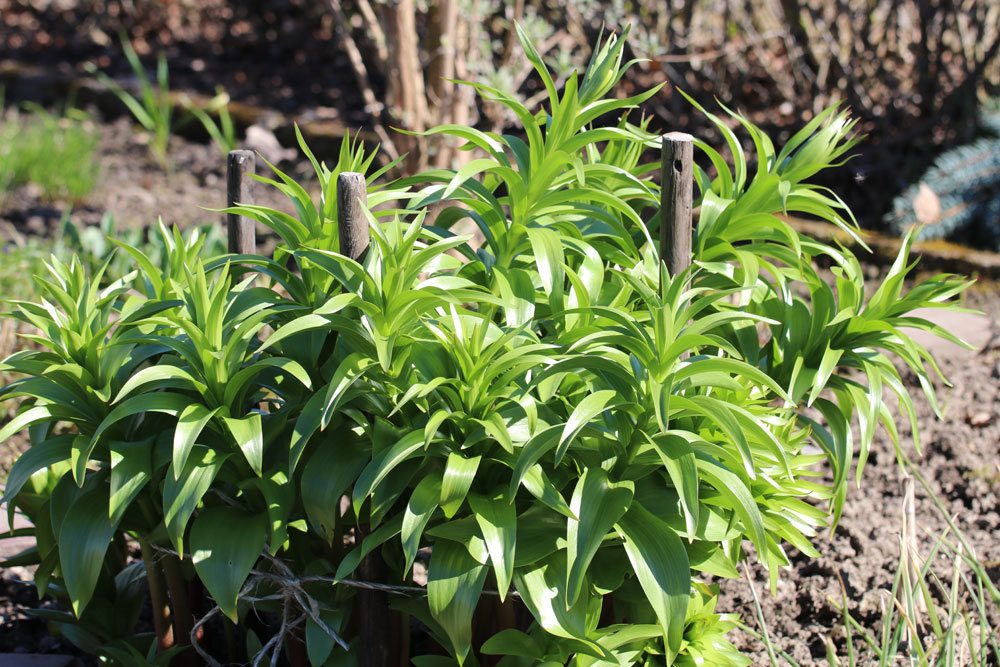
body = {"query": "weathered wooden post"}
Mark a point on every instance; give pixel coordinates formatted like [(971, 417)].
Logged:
[(240, 167), (676, 194), (383, 641), (352, 226)]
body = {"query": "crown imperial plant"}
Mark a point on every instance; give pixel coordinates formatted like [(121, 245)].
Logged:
[(573, 443)]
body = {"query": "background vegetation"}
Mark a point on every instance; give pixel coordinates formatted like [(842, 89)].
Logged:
[(913, 72)]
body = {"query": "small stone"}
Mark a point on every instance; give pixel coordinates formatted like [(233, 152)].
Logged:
[(262, 140), (36, 225), (927, 206), (980, 419)]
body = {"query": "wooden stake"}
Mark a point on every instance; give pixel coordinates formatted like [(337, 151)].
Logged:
[(240, 166), (676, 193), (380, 634), (352, 226)]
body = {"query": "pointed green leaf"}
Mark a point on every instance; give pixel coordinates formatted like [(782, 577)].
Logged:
[(131, 468), (327, 475), (249, 436), (423, 502), (497, 520), (458, 475), (661, 565), (190, 423), (454, 583), (225, 544), (383, 463), (41, 455), (84, 536), (591, 406), (181, 496), (599, 503)]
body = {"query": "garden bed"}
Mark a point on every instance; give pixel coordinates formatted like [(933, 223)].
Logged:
[(959, 457)]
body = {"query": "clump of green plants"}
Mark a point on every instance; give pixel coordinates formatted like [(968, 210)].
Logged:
[(937, 615), (55, 152), (152, 106), (569, 440)]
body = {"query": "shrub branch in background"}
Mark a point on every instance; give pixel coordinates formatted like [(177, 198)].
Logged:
[(911, 71), (571, 442)]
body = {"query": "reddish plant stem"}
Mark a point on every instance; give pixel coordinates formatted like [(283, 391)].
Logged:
[(158, 599), (183, 619)]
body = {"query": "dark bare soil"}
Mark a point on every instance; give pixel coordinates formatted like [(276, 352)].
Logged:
[(960, 459)]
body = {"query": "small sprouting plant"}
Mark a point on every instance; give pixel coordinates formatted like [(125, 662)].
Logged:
[(216, 120), (569, 439), (938, 618), (151, 107)]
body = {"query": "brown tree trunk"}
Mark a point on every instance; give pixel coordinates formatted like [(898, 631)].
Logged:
[(407, 97)]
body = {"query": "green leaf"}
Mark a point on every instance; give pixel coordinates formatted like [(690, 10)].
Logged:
[(181, 496), (162, 376), (372, 541), (190, 424), (458, 475), (84, 536), (591, 406), (41, 455), (539, 588), (661, 565), (319, 643), (279, 496), (549, 259), (682, 468), (225, 544), (383, 463), (454, 583), (513, 642), (171, 404), (423, 502), (497, 520), (327, 475), (131, 468), (538, 484), (249, 437), (599, 503), (739, 498)]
